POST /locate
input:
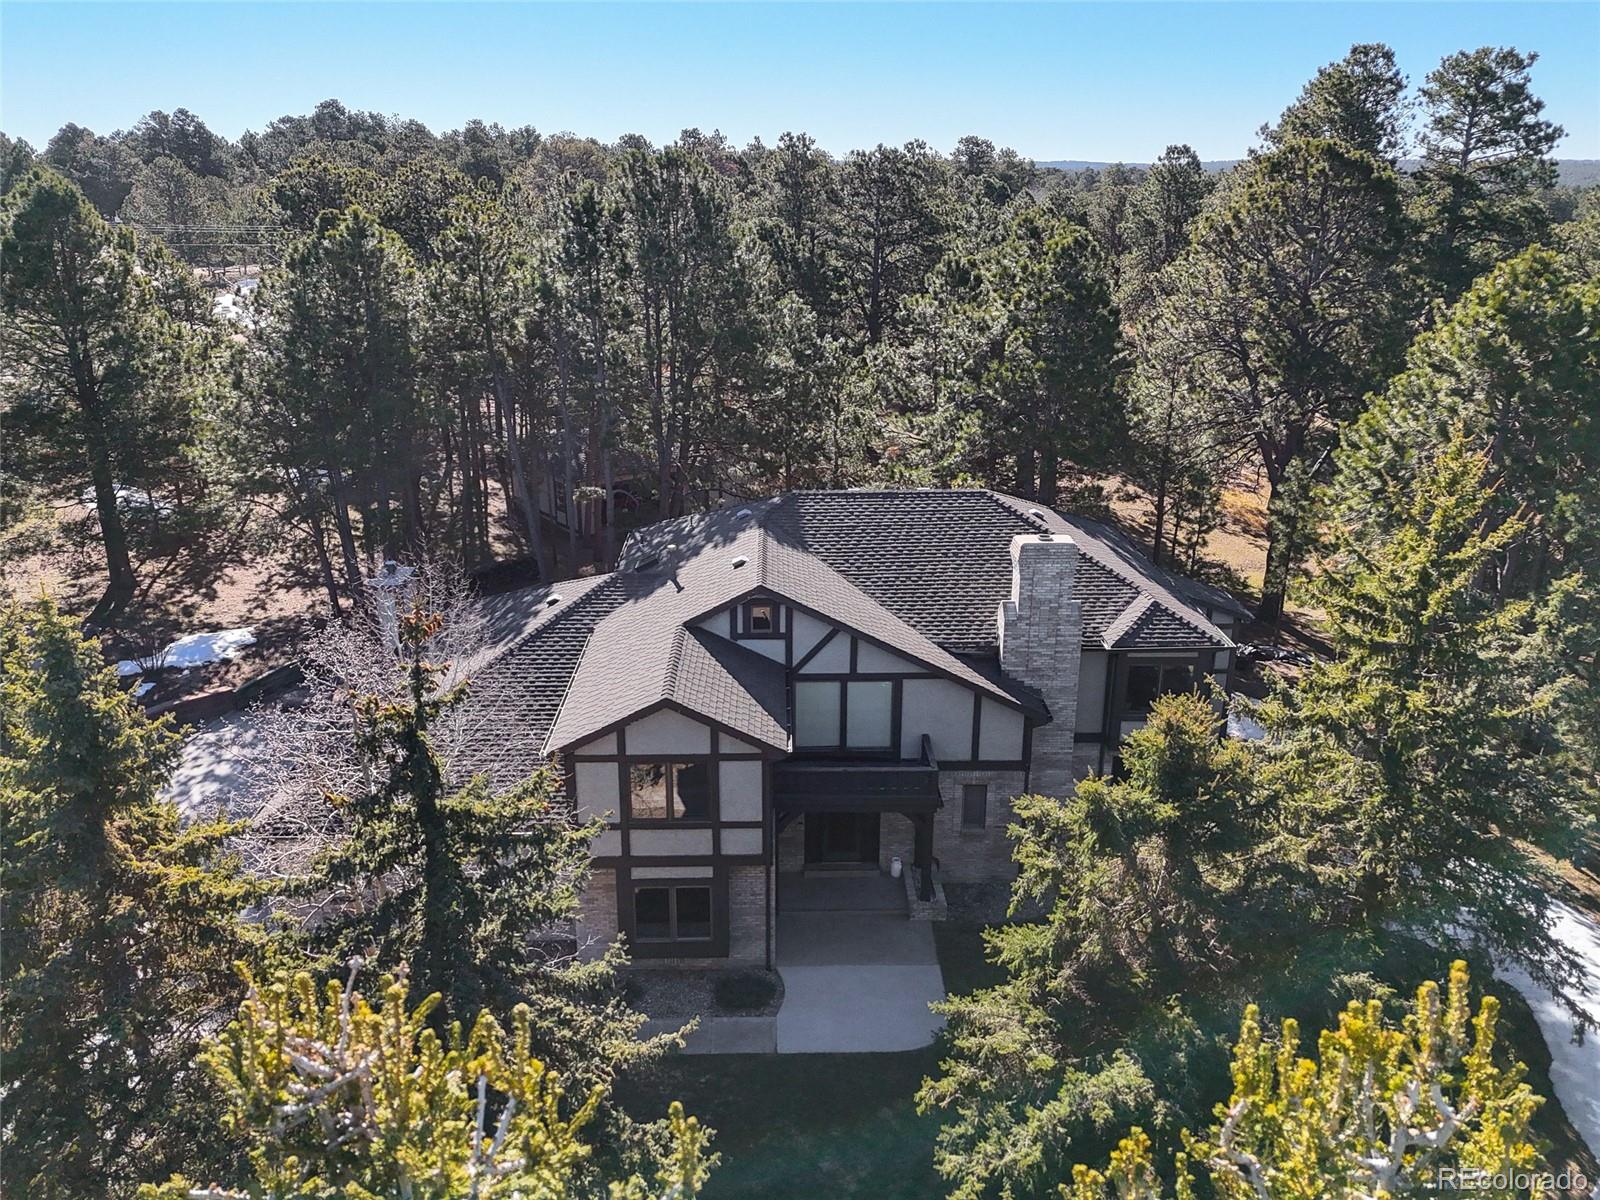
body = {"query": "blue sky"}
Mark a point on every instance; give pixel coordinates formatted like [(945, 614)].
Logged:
[(1086, 81)]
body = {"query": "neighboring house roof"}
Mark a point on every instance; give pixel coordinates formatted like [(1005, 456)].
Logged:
[(921, 573)]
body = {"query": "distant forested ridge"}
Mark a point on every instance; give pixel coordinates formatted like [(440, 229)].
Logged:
[(1570, 172)]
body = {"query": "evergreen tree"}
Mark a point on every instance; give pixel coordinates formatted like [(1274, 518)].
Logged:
[(889, 232), (1514, 366), (797, 222), (1359, 101), (478, 294), (1049, 381), (1485, 160), (102, 167), (1286, 307), (473, 890), (1448, 738), (119, 925), (1156, 223), (16, 157), (105, 374), (167, 198), (338, 415), (1380, 1111), (339, 1096), (693, 296), (1148, 885), (180, 136)]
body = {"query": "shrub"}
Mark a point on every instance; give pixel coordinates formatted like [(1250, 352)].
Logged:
[(745, 991)]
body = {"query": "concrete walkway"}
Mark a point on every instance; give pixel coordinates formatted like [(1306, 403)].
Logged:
[(856, 982), (1574, 1068)]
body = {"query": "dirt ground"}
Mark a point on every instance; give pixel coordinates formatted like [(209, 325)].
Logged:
[(246, 575)]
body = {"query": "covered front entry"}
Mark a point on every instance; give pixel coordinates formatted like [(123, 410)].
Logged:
[(842, 839), (842, 802)]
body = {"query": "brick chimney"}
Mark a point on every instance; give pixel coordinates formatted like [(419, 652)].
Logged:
[(1041, 643)]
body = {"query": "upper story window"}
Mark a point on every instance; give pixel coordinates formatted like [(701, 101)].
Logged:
[(838, 714), (1146, 681), (760, 618), (669, 791)]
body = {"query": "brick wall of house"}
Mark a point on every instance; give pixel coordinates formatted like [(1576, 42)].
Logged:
[(597, 914), (1041, 644), (964, 855), (748, 897)]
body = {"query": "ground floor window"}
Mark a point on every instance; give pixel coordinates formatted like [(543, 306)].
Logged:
[(974, 805), (672, 913)]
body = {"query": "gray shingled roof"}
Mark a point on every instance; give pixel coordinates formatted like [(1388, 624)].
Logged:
[(641, 655), (921, 573), (516, 690), (941, 561)]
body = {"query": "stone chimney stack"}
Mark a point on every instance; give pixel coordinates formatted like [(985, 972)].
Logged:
[(1041, 644)]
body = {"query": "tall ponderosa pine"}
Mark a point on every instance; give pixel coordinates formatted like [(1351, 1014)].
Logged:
[(339, 416), (888, 232), (1359, 101), (1156, 223), (1287, 308), (693, 297), (120, 926), (103, 381), (1485, 159), (1050, 398), (478, 293)]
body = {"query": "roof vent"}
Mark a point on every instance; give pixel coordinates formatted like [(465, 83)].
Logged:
[(739, 562), (1036, 514), (552, 599), (743, 513)]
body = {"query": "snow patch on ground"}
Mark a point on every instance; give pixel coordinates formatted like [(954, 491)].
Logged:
[(195, 650), (212, 765), (1245, 727), (1574, 1068)]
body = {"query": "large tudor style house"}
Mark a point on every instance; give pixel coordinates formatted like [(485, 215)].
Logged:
[(828, 682)]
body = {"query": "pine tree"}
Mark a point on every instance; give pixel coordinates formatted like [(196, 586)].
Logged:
[(104, 374), (339, 1097), (1287, 307), (337, 417), (1359, 101), (1155, 226), (1380, 1111), (120, 924), (473, 891), (1485, 158), (888, 233), (1050, 375)]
